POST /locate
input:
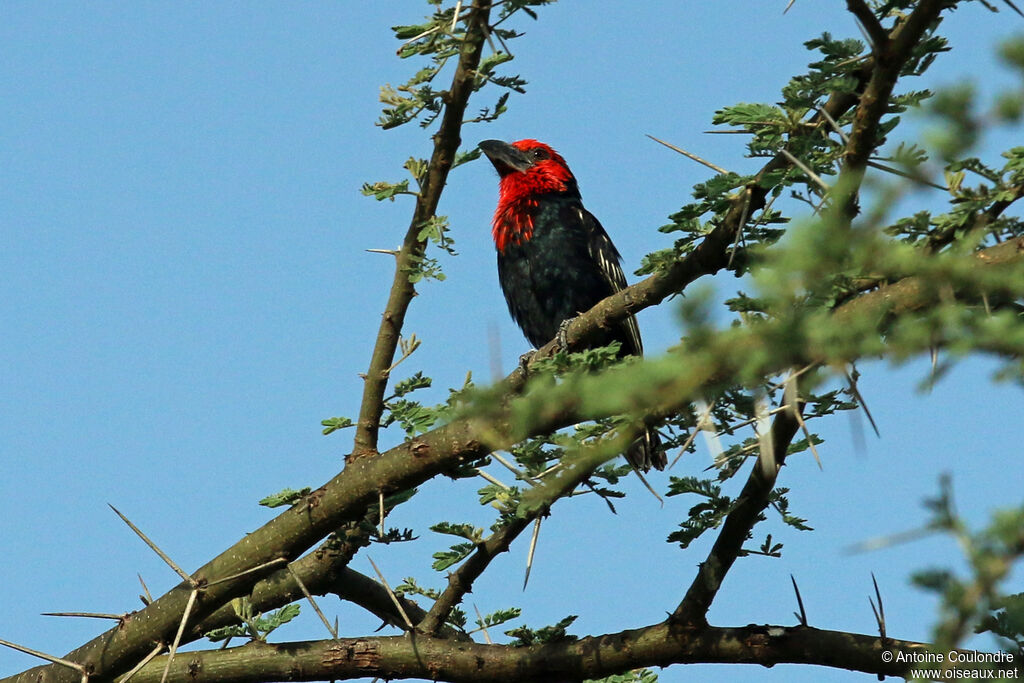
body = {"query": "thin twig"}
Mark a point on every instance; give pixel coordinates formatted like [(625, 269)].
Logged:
[(309, 596), (690, 155), (483, 626), (446, 143), (860, 400), (904, 174), (802, 616), (792, 398), (154, 548), (257, 568), (145, 660), (876, 33), (529, 554), (742, 224), (880, 611), (148, 598), (181, 629), (42, 655), (752, 501), (647, 485), (806, 169), (1014, 7), (392, 252), (832, 122), (455, 15), (520, 474), (391, 594), (491, 478), (90, 615)]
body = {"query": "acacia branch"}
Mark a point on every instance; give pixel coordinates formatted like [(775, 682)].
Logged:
[(876, 33), (348, 495), (709, 257), (423, 657), (891, 57), (446, 144), (461, 580), (752, 501), (981, 220), (323, 571), (535, 502)]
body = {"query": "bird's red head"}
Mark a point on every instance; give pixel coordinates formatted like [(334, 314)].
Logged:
[(528, 169)]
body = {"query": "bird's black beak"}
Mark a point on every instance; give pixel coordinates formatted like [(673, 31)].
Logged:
[(506, 158)]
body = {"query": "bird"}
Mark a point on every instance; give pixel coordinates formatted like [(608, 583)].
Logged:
[(555, 260)]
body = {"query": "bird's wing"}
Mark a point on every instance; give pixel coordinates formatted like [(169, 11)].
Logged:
[(607, 257)]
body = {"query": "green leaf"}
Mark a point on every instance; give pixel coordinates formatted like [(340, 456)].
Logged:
[(333, 424), (467, 531), (447, 558), (411, 384), (384, 190), (285, 497)]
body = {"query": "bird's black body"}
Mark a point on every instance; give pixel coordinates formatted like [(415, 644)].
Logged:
[(555, 260), (567, 266)]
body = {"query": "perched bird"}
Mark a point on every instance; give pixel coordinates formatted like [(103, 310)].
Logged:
[(555, 260)]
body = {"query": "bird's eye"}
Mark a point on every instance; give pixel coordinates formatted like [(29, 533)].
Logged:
[(539, 153)]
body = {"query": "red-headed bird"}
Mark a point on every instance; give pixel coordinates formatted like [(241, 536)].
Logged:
[(555, 260)]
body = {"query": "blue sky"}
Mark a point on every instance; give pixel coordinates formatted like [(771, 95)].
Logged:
[(185, 294)]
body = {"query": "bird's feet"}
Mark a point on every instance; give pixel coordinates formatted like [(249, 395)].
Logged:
[(562, 336), (524, 360)]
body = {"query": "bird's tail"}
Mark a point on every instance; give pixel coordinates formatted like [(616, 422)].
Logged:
[(647, 452)]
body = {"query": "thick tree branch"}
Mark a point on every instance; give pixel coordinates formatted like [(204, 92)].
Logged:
[(913, 293), (446, 144), (890, 59), (876, 33), (981, 221), (349, 494), (324, 571), (344, 498), (399, 657)]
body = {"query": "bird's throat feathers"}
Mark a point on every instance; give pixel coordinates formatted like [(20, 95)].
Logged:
[(519, 196)]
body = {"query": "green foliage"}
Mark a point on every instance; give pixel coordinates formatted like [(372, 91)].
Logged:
[(791, 339), (393, 535), (414, 417), (411, 384), (1007, 621), (384, 190), (498, 617), (705, 515), (254, 626), (549, 634), (974, 602), (285, 497), (333, 424), (446, 558), (410, 587), (467, 531), (435, 229), (778, 500)]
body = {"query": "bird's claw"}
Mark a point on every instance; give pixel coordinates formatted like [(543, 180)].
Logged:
[(562, 336), (524, 360)]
